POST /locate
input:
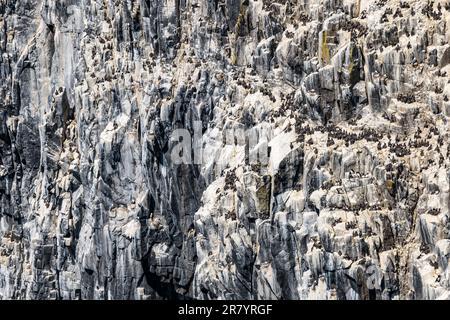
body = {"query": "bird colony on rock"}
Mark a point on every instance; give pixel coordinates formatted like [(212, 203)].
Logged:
[(343, 195)]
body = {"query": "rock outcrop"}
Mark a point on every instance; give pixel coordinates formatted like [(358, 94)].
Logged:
[(224, 149)]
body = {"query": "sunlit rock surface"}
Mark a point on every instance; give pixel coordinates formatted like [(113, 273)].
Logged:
[(324, 130)]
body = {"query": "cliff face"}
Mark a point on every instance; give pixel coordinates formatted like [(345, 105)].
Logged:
[(224, 149)]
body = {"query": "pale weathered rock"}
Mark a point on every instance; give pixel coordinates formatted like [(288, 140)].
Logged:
[(314, 163)]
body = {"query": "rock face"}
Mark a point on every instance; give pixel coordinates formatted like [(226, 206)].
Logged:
[(224, 149)]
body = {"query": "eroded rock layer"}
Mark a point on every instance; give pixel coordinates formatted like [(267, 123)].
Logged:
[(323, 128)]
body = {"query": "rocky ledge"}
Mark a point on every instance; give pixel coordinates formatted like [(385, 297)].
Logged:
[(224, 149)]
